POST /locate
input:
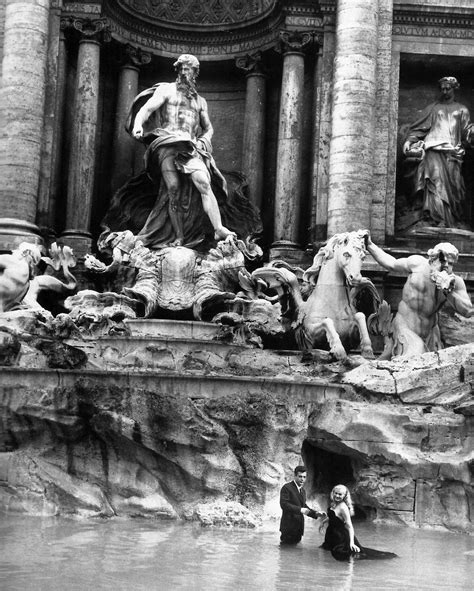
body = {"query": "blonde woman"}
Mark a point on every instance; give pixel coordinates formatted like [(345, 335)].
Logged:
[(340, 538)]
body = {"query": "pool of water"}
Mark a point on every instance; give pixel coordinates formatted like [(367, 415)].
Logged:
[(60, 554)]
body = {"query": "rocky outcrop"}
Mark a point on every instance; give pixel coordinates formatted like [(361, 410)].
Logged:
[(211, 434)]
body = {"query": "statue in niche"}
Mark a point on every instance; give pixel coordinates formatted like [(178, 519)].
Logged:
[(434, 149), (181, 197), (430, 285)]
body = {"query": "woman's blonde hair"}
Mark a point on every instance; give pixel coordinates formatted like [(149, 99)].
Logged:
[(347, 497)]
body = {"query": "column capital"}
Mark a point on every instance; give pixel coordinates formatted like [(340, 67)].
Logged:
[(318, 39), (89, 29), (252, 64), (132, 56), (294, 41)]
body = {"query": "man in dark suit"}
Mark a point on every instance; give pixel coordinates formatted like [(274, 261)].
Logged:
[(294, 507)]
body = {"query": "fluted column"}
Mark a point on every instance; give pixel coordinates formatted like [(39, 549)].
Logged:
[(289, 185), (123, 144), (254, 125), (21, 109), (352, 140), (81, 169), (53, 124)]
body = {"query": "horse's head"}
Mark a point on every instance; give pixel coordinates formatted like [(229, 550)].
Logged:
[(349, 252)]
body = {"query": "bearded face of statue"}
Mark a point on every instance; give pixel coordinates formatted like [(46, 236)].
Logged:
[(186, 81)]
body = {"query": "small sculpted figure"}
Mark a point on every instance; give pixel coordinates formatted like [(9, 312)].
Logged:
[(16, 272), (436, 144), (340, 538), (169, 122), (120, 245), (430, 284), (19, 284), (294, 508)]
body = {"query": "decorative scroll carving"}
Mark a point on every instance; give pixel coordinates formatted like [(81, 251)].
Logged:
[(252, 64), (93, 29), (294, 40), (134, 56)]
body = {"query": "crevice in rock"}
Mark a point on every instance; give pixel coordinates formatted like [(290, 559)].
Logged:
[(326, 469)]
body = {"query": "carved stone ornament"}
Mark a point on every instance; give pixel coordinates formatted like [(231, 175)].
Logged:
[(294, 40), (212, 12), (251, 63), (178, 278), (208, 30), (93, 29), (134, 56)]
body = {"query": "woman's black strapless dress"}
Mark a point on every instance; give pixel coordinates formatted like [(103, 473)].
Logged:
[(337, 541)]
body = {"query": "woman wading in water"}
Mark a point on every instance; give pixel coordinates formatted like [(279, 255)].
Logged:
[(340, 538)]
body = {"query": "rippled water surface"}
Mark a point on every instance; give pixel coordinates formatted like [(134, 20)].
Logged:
[(57, 554)]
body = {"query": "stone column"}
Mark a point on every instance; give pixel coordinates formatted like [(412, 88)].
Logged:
[(289, 185), (382, 114), (53, 123), (254, 125), (392, 145), (317, 78), (322, 135), (352, 140), (21, 112), (123, 144), (81, 170)]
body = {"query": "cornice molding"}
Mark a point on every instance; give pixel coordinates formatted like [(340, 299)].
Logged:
[(461, 18), (256, 30)]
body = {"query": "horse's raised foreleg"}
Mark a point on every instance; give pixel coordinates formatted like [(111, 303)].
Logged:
[(335, 345), (365, 342)]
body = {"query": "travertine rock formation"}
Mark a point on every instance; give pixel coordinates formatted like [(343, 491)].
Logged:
[(212, 435)]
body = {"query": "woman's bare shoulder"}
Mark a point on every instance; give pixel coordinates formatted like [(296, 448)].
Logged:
[(342, 511)]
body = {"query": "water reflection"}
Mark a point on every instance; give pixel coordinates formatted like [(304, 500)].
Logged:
[(57, 554)]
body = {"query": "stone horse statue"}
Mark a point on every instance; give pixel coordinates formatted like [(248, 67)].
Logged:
[(330, 313)]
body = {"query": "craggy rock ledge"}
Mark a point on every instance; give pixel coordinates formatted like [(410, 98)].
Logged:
[(213, 444)]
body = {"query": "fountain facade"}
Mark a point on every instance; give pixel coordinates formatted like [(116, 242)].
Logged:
[(176, 376)]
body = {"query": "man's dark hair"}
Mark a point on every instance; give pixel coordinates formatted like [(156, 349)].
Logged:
[(299, 469)]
